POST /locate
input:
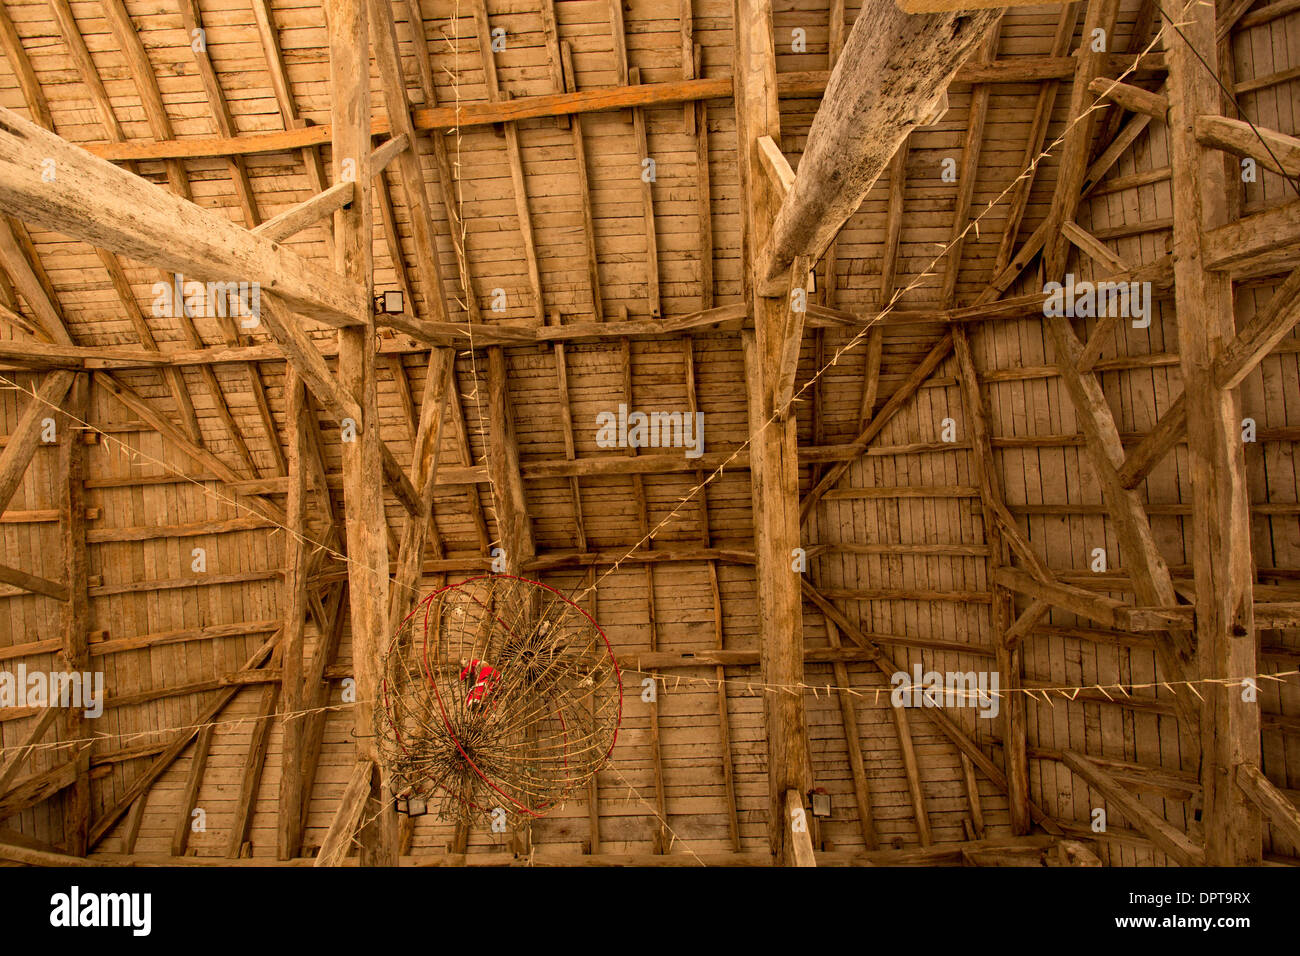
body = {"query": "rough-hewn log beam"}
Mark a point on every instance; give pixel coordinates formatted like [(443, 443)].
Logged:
[(893, 68), (105, 205), (1270, 149)]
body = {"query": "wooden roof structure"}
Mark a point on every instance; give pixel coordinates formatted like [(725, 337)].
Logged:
[(830, 229)]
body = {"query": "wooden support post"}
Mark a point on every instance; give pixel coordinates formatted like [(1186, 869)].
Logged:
[(75, 656), (796, 818), (1014, 749), (1222, 559), (774, 458), (289, 823), (362, 458), (513, 524)]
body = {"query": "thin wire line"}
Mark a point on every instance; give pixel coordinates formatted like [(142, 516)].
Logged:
[(1068, 692)]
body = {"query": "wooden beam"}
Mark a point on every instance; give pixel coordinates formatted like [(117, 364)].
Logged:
[(584, 194), (1132, 98), (776, 165), (893, 230), (1221, 524), (946, 725), (1094, 247), (1105, 611), (796, 819), (75, 655), (999, 526), (1272, 150), (254, 763), (129, 40), (893, 68), (439, 382), (440, 118), (1157, 443), (288, 819), (513, 523), (641, 133), (706, 540), (1174, 843), (33, 583), (26, 436), (363, 460), (896, 401), (307, 213), (338, 838), (796, 313), (104, 823), (970, 160), (19, 752), (1070, 179), (94, 200), (192, 24), (164, 426), (1272, 802), (1132, 524), (774, 479), (22, 67), (1235, 244), (1042, 115), (1013, 69), (392, 80), (1260, 335), (190, 797)]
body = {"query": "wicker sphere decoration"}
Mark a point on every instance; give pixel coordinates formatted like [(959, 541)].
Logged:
[(496, 694)]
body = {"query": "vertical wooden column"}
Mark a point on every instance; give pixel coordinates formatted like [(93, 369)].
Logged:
[(363, 486), (289, 822), (76, 613), (1009, 662), (774, 472), (1225, 625)]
